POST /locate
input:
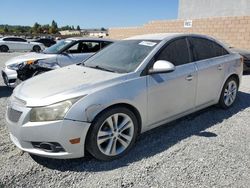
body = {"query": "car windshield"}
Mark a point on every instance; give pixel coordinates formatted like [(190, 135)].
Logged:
[(58, 47), (122, 57)]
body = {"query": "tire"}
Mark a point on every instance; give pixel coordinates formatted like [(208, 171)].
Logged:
[(105, 140), (4, 48), (229, 93), (36, 48)]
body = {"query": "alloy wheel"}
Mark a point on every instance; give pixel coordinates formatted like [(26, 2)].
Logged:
[(230, 93), (115, 134)]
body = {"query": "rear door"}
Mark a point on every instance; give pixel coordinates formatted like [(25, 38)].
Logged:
[(23, 44), (172, 94), (210, 59), (18, 44)]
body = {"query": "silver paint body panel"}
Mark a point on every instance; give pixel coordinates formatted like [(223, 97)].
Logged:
[(159, 98)]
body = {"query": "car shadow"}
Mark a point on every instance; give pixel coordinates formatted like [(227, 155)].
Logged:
[(157, 140), (5, 91)]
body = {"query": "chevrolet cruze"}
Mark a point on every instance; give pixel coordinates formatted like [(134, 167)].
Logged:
[(132, 86)]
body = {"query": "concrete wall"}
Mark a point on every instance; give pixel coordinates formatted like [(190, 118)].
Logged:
[(193, 9), (232, 30)]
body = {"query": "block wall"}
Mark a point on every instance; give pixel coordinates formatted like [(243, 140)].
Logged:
[(232, 30)]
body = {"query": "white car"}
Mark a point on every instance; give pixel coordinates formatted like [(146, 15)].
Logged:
[(18, 44), (65, 52)]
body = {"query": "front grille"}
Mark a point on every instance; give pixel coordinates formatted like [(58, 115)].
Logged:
[(13, 115)]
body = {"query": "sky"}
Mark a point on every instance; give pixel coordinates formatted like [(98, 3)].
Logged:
[(87, 13)]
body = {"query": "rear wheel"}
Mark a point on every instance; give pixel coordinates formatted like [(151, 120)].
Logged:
[(36, 48), (229, 93), (4, 48), (112, 134)]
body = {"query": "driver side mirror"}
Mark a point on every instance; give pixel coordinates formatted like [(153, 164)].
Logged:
[(161, 66)]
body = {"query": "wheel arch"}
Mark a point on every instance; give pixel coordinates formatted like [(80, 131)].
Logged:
[(35, 45), (221, 102), (234, 75), (132, 108), (1, 45)]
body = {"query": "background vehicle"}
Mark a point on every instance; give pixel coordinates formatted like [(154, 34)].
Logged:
[(246, 56), (47, 42), (65, 52), (19, 44), (129, 87)]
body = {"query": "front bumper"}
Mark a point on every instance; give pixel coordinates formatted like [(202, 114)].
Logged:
[(24, 133), (9, 76)]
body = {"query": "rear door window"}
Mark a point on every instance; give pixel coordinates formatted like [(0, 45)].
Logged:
[(176, 52), (20, 40), (105, 44), (206, 49)]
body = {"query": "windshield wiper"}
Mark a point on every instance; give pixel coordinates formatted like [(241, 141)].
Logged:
[(101, 68)]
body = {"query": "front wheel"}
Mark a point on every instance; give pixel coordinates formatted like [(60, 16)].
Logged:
[(229, 93), (112, 134)]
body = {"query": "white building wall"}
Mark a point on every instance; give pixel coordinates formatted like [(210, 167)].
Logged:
[(191, 9)]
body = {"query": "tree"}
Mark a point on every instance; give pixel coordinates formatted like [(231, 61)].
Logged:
[(78, 28), (5, 29), (72, 27), (35, 28), (67, 27), (20, 29), (54, 28)]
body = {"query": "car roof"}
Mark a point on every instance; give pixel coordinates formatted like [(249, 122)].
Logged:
[(163, 36), (89, 38), (156, 36)]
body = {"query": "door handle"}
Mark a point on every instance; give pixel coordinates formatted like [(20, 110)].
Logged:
[(220, 67), (189, 77)]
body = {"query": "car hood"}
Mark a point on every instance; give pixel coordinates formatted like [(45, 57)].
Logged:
[(65, 83), (29, 57)]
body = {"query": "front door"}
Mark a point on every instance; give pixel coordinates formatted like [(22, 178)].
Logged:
[(171, 94)]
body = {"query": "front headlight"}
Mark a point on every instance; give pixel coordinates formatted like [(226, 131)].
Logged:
[(15, 66), (51, 113), (48, 65)]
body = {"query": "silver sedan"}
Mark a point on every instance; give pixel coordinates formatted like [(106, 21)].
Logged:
[(130, 87)]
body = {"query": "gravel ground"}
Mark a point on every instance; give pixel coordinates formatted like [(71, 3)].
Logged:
[(210, 148)]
